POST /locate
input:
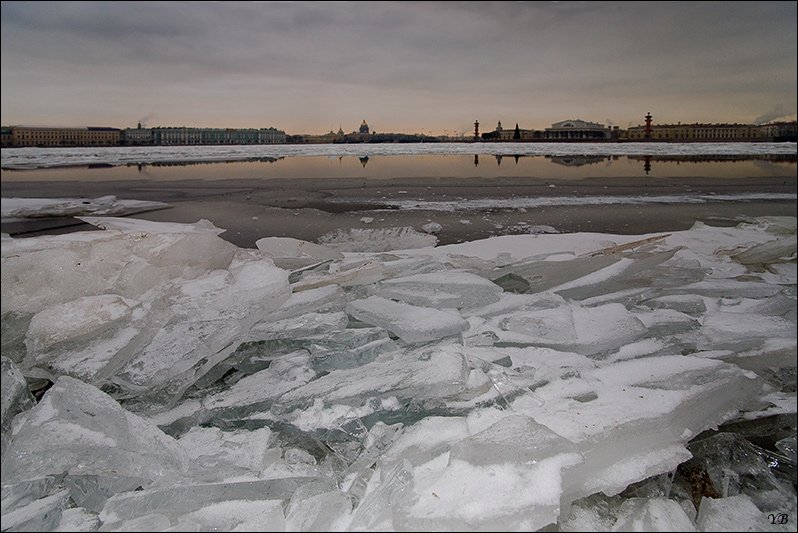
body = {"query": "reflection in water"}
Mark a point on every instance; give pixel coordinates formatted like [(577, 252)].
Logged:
[(429, 166), (578, 161)]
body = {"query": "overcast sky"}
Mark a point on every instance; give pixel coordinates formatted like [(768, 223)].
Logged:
[(308, 67)]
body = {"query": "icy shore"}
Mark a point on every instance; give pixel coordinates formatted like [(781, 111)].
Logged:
[(157, 377)]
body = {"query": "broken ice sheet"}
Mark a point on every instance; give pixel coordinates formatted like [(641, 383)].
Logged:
[(79, 338), (441, 290), (215, 505), (376, 239), (653, 405), (420, 374), (20, 208), (78, 429), (412, 324), (587, 330)]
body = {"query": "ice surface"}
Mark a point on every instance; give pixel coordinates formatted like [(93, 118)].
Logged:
[(735, 513), (20, 208), (376, 239), (293, 253), (79, 430), (441, 290), (652, 514), (397, 391), (15, 399), (411, 323)]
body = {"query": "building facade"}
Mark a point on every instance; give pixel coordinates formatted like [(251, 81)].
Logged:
[(577, 130), (47, 136), (697, 132)]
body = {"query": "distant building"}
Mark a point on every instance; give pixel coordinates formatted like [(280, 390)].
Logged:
[(516, 134), (193, 136), (137, 136), (5, 136), (577, 129), (51, 136), (780, 131), (364, 128), (697, 132)]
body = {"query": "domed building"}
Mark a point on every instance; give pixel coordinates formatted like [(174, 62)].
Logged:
[(364, 128)]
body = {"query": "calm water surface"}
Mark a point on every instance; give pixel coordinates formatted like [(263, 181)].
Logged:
[(432, 166)]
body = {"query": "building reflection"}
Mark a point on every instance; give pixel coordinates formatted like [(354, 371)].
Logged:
[(577, 161)]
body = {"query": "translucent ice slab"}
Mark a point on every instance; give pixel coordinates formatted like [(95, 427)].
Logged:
[(80, 430), (410, 323)]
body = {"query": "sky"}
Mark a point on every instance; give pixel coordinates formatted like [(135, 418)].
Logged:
[(412, 67)]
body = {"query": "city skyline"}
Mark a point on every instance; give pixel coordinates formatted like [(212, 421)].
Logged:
[(428, 67)]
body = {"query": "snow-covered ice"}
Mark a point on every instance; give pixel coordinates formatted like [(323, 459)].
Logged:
[(157, 377)]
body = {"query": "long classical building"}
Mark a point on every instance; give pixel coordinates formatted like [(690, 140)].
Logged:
[(20, 136), (47, 136), (697, 132)]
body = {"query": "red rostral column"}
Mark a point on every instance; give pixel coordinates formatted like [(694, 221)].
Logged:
[(476, 130), (648, 118)]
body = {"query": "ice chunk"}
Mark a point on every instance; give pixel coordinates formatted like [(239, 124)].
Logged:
[(432, 228), (327, 511), (253, 393), (365, 273), (15, 399), (653, 405), (211, 506), (128, 261), (219, 454), (298, 327), (293, 253), (725, 465), (79, 338), (775, 251), (421, 374), (80, 430), (208, 318), (652, 514), (459, 496), (543, 275), (735, 513), (14, 208), (14, 327), (742, 331), (514, 439), (328, 298), (40, 515), (376, 507), (690, 304), (410, 323), (585, 330), (425, 440), (78, 519), (377, 239), (441, 290), (729, 288)]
